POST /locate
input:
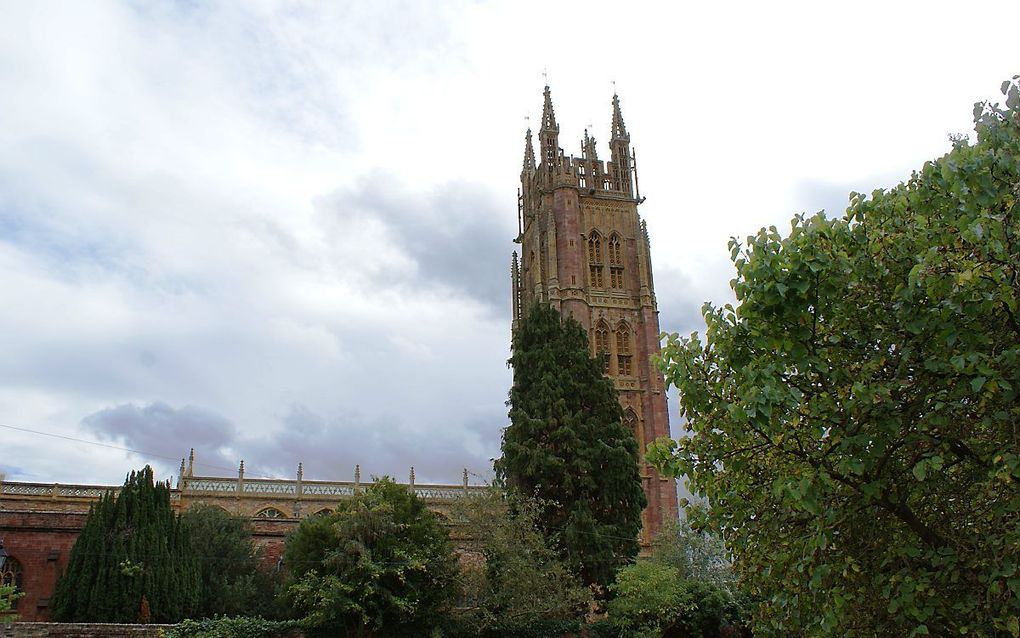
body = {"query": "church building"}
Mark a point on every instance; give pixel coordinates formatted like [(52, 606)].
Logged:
[(584, 250)]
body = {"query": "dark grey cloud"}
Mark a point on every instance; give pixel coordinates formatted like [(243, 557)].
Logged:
[(458, 234), (165, 433), (330, 446)]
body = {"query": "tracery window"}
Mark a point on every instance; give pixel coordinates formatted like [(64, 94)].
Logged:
[(270, 512), (12, 575), (601, 335), (623, 352), (595, 275), (631, 422), (615, 262)]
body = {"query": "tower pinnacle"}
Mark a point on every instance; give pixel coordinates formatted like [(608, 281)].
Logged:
[(548, 114), (529, 153), (619, 128)]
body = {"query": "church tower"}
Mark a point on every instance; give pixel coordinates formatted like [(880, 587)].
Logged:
[(584, 250)]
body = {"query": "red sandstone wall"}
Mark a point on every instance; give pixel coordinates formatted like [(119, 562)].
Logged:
[(41, 542)]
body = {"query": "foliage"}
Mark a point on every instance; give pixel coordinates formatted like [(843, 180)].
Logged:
[(854, 418), (237, 627), (228, 562), (566, 445), (380, 564), (8, 594), (652, 600), (697, 554), (131, 548), (515, 582)]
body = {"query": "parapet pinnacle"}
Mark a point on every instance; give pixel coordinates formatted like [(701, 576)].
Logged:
[(529, 152)]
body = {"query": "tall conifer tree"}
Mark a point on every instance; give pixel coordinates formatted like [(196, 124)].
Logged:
[(132, 546), (566, 444)]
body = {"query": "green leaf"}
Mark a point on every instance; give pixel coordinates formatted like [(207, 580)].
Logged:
[(977, 383)]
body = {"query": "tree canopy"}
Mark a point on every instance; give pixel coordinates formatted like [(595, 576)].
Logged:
[(380, 564), (854, 417), (567, 445), (132, 561)]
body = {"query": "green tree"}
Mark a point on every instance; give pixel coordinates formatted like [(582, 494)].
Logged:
[(697, 554), (381, 564), (567, 445), (228, 563), (8, 594), (854, 418), (515, 582), (131, 548)]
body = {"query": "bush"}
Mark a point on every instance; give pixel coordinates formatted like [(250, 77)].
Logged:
[(238, 627), (653, 600)]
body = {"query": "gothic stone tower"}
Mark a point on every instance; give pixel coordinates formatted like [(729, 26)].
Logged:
[(584, 250)]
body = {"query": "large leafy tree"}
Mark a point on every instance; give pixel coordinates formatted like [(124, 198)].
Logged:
[(854, 417), (515, 582), (381, 564), (131, 562), (567, 445), (228, 563)]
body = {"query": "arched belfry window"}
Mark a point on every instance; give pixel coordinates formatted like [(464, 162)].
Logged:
[(601, 342), (630, 421), (595, 274), (12, 575), (624, 355), (615, 262), (270, 512)]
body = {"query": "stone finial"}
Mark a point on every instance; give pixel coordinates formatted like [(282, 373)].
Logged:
[(180, 475), (300, 471), (411, 477), (357, 476), (465, 478), (240, 470), (191, 463)]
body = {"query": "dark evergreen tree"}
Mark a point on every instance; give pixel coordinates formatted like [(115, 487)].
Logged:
[(132, 547), (228, 561), (567, 445)]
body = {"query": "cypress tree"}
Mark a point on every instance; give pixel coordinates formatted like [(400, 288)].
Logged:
[(130, 548), (567, 445)]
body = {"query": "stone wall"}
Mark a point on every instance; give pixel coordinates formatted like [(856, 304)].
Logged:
[(79, 630)]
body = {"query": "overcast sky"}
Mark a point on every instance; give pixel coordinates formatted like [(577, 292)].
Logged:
[(281, 232)]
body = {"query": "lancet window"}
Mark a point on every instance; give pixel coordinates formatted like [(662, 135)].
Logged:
[(595, 267), (624, 356), (615, 262), (601, 338)]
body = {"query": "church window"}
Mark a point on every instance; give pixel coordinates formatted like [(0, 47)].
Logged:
[(630, 420), (615, 262), (270, 512), (595, 273), (602, 343), (11, 575), (624, 358)]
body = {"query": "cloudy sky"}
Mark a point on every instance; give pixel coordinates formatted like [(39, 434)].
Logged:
[(281, 231)]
